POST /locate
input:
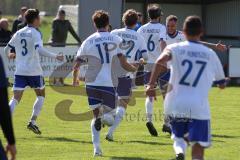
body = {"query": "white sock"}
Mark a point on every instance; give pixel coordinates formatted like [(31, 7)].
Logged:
[(179, 146), (13, 103), (95, 136), (37, 107), (149, 108), (120, 112)]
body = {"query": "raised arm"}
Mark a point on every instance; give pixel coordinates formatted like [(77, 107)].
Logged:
[(219, 46)]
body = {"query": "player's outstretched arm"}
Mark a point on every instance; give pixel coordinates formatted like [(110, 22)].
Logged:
[(219, 46), (42, 51), (128, 67)]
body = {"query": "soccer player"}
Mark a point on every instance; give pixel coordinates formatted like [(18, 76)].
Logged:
[(5, 118), (134, 48), (99, 51), (175, 36), (194, 67), (28, 46), (154, 34)]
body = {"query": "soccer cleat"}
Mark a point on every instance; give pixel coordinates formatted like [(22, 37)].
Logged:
[(180, 156), (33, 128), (109, 138), (152, 129), (97, 153), (98, 124), (166, 129)]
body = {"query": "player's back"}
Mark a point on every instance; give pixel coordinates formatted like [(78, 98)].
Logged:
[(153, 33), (179, 37), (25, 42), (194, 67), (100, 49), (133, 44)]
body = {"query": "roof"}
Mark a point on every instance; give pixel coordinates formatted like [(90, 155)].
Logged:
[(180, 1)]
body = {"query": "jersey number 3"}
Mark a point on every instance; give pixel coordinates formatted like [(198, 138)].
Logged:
[(24, 47), (189, 70)]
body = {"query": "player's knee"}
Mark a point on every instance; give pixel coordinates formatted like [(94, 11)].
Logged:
[(124, 102), (120, 112)]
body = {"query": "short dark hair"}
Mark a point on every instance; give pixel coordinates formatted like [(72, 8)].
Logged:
[(130, 17), (193, 26), (171, 18), (0, 12), (154, 12), (100, 18), (61, 11), (31, 15)]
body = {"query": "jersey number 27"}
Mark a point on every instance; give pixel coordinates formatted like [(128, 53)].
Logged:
[(202, 65)]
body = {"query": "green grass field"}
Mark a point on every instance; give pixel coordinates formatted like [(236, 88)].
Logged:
[(63, 140)]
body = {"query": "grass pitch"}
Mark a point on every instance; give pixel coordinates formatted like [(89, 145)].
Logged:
[(67, 140)]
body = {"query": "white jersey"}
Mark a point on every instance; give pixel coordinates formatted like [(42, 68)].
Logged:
[(153, 33), (194, 67), (179, 37), (25, 42), (100, 48), (133, 45)]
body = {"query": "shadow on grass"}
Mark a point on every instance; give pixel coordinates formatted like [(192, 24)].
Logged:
[(64, 139), (224, 136), (129, 158), (150, 143)]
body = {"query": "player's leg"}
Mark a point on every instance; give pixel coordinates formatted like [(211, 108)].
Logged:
[(199, 137), (17, 96), (197, 152), (163, 85), (96, 100), (38, 84), (120, 112), (75, 81), (179, 130), (149, 108), (20, 83), (124, 91)]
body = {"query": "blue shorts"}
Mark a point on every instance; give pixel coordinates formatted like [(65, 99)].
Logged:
[(21, 82), (162, 80), (124, 88), (2, 153), (197, 131), (99, 95)]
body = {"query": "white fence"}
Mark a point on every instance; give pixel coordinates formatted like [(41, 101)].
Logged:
[(234, 62), (48, 64)]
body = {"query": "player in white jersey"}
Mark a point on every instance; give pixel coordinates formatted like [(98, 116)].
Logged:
[(154, 34), (135, 51), (100, 49), (194, 68), (176, 36), (28, 46)]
